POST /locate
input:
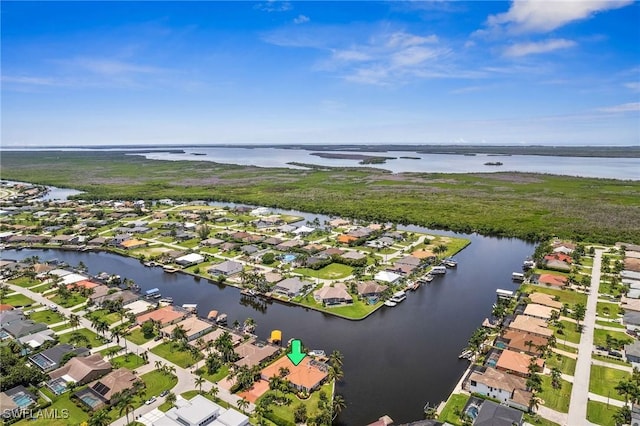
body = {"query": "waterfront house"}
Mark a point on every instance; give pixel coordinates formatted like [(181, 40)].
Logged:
[(132, 244), (632, 353), (530, 325), (163, 316), (193, 327), (226, 268), (539, 311), (252, 353), (291, 287), (517, 363), (563, 247), (387, 277), (336, 295), (545, 299), (81, 370), (213, 335), (551, 280), (124, 296), (119, 239), (492, 414), (370, 289), (303, 231), (506, 388), (190, 259), (306, 376)]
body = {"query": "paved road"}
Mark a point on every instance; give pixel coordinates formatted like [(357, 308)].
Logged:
[(580, 391), (185, 378)]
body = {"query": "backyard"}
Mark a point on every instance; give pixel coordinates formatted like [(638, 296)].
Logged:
[(604, 380), (171, 352)]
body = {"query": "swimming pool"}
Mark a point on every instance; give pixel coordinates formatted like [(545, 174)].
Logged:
[(288, 258), (90, 400), (58, 386), (22, 400), (472, 412), (42, 361)]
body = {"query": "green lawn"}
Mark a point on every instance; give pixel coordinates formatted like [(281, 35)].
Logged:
[(610, 324), (60, 404), (284, 414), (137, 336), (220, 374), (537, 420), (564, 363), (556, 399), (109, 317), (569, 332), (332, 271), (451, 412), (157, 381), (170, 352), (93, 338), (601, 413), (128, 360), (25, 282), (73, 300), (41, 288), (564, 296), (566, 348), (603, 381), (611, 360), (17, 300), (357, 310), (46, 316), (600, 336), (608, 310), (191, 393), (61, 327)]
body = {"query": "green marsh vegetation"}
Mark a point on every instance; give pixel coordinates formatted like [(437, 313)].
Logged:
[(524, 205)]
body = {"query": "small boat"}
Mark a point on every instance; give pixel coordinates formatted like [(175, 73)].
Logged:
[(249, 292), (213, 314), (517, 276), (316, 352), (190, 307), (398, 297), (168, 300), (170, 269), (438, 270), (465, 354), (413, 285), (528, 264), (390, 303), (450, 263), (221, 319)]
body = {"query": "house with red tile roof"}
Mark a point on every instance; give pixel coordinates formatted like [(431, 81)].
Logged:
[(552, 280)]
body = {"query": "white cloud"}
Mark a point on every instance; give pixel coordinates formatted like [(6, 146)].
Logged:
[(301, 19), (112, 67), (524, 49), (28, 80), (634, 86), (622, 108), (273, 6), (543, 16)]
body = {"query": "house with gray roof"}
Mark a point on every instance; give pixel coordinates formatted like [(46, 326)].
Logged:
[(7, 317), (632, 353), (51, 358), (226, 268), (23, 328), (291, 287), (631, 320), (492, 414)]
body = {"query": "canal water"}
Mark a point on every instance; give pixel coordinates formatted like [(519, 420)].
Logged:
[(395, 361)]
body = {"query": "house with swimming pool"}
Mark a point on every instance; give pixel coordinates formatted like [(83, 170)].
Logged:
[(100, 392)]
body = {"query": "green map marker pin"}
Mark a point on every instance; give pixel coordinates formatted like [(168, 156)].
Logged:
[(296, 355)]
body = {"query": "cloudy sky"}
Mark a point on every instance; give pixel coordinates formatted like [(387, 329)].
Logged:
[(523, 72)]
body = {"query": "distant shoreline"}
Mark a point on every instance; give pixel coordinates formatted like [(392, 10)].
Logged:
[(451, 149)]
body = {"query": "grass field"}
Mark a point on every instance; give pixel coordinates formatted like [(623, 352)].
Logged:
[(73, 300), (137, 336), (556, 399), (332, 271), (25, 282), (46, 316), (128, 360), (564, 296), (17, 300), (600, 336), (611, 360), (170, 352), (156, 382), (357, 310), (451, 412), (104, 314), (601, 414), (608, 310), (92, 337), (603, 381), (564, 363), (60, 403), (503, 204), (569, 332)]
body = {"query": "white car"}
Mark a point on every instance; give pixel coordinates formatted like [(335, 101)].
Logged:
[(150, 400)]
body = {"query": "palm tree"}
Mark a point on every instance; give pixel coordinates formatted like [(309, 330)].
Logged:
[(243, 404), (99, 418), (339, 404), (158, 364), (214, 391), (283, 371), (126, 406), (335, 373), (199, 381), (555, 378), (336, 358), (170, 398), (179, 334), (534, 403), (77, 338), (74, 321)]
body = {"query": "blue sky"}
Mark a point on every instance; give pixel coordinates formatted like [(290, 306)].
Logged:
[(525, 72)]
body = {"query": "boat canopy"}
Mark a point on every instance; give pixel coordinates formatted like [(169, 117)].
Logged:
[(153, 291)]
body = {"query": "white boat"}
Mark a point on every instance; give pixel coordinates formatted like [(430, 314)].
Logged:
[(398, 297), (316, 352), (450, 263), (168, 300), (221, 319), (190, 307), (438, 270), (528, 264), (390, 303), (517, 276), (465, 355)]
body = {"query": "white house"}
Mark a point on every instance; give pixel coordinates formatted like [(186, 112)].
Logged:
[(199, 411), (507, 388), (190, 259), (387, 277)]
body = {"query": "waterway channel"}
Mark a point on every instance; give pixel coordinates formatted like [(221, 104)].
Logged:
[(394, 361)]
